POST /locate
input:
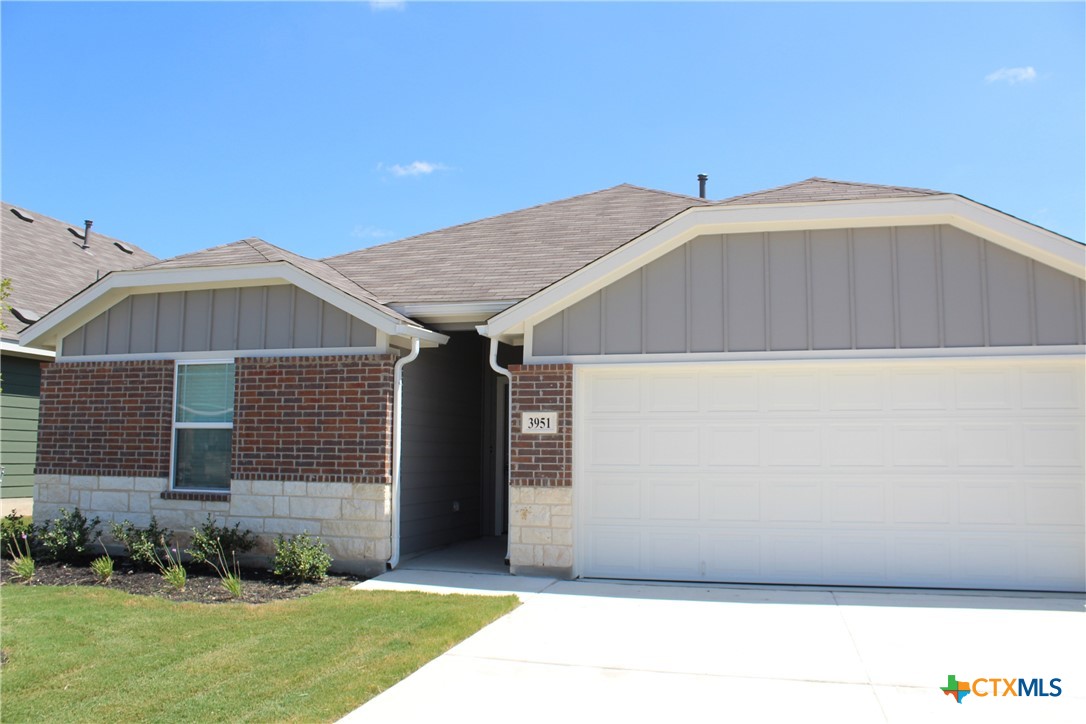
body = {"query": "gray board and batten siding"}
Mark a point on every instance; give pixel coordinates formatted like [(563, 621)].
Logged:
[(873, 288), (278, 316)]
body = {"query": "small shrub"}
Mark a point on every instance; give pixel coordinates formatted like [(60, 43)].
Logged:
[(229, 575), (210, 540), (103, 568), (141, 543), (67, 537), (22, 563), (301, 558), (16, 525)]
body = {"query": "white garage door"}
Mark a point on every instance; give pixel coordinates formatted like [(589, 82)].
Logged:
[(915, 473)]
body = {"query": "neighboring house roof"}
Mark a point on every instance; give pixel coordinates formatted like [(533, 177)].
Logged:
[(824, 189), (514, 255), (47, 265), (258, 251)]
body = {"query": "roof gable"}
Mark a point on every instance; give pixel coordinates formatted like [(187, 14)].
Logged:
[(914, 209)]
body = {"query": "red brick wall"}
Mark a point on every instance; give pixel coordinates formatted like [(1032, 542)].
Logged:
[(542, 460), (106, 418), (319, 419)]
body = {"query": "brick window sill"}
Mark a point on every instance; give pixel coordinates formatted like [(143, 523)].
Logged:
[(194, 495)]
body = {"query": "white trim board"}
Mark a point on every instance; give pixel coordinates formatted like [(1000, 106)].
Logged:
[(807, 356)]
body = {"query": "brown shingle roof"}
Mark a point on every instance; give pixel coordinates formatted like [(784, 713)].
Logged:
[(258, 251), (46, 265), (513, 255), (824, 189)]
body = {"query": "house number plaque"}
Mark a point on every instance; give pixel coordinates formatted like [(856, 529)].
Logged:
[(539, 423)]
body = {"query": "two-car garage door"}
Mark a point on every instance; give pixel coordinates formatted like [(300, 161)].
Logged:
[(952, 473)]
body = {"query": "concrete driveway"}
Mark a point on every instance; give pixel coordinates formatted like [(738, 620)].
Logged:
[(580, 650)]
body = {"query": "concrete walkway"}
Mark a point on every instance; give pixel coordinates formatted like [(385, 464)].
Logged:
[(578, 650)]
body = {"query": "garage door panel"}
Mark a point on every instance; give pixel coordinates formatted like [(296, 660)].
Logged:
[(727, 501), (1055, 503), (1051, 389), (672, 393), (676, 555), (732, 445), (614, 446), (795, 558), (855, 392), (924, 503), (615, 552), (673, 445), (618, 393), (856, 445), (1052, 445), (858, 502), (921, 445), (985, 445), (615, 498), (959, 473), (988, 503), (673, 500), (985, 389), (796, 502), (793, 392), (794, 445), (731, 393), (918, 390), (733, 557), (857, 558)]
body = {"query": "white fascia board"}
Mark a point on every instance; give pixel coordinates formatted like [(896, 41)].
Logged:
[(17, 350), (453, 312), (117, 285), (995, 226)]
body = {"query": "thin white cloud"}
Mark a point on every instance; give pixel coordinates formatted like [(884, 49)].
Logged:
[(362, 231), (378, 6), (415, 168), (1012, 75)]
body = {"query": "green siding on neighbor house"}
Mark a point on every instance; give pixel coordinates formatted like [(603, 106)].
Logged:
[(19, 425)]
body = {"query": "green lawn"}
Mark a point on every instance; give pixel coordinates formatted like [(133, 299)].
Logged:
[(91, 654)]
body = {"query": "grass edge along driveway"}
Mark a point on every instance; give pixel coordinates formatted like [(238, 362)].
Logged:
[(92, 654)]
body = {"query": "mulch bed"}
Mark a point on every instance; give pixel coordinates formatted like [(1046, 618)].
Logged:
[(202, 585)]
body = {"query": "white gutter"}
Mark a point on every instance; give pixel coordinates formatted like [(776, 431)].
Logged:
[(397, 454), (509, 411)]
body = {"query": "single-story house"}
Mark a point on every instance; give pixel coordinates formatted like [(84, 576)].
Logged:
[(824, 383), (47, 261)]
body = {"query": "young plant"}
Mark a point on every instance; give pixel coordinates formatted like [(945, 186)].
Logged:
[(301, 558), (141, 543), (22, 563), (67, 537), (171, 569), (102, 566), (210, 540), (229, 575), (16, 525)]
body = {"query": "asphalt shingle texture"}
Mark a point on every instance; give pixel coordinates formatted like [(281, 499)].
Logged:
[(46, 265)]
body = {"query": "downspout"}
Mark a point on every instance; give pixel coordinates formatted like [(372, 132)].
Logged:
[(508, 413), (397, 434)]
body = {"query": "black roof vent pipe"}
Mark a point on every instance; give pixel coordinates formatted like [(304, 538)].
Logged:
[(702, 178), (87, 224)]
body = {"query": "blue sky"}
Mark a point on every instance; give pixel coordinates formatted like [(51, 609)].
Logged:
[(325, 127)]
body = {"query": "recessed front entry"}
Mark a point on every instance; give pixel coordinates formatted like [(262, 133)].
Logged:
[(954, 473)]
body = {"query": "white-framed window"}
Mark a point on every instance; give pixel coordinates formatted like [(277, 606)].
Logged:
[(203, 425)]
